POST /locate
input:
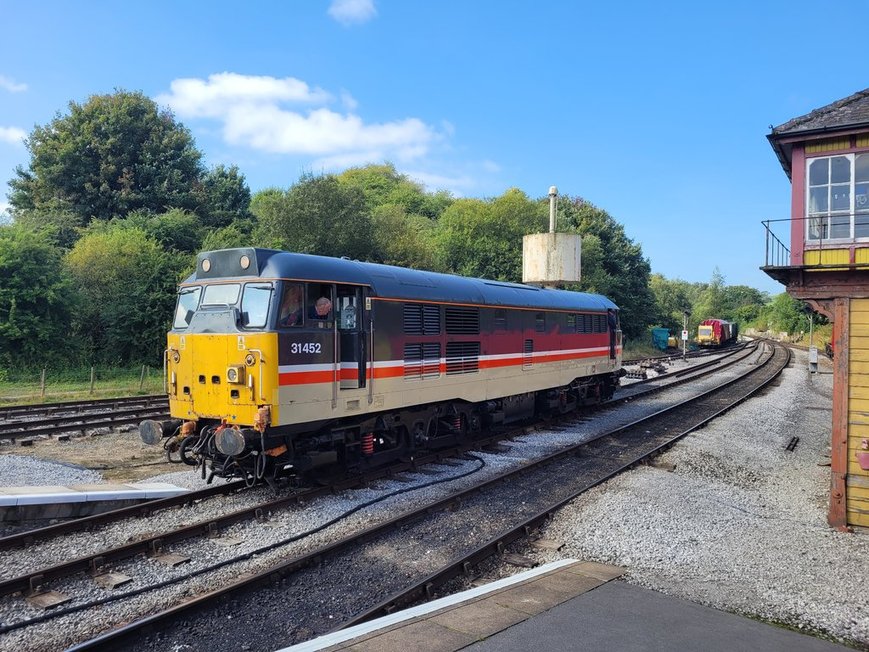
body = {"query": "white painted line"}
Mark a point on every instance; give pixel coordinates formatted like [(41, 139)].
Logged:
[(335, 638)]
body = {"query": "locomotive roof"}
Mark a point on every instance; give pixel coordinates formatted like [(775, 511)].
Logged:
[(389, 281)]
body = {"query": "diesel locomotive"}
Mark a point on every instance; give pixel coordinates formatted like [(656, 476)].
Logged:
[(281, 364), (716, 332)]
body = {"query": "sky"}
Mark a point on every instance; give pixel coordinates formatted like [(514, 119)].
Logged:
[(655, 112)]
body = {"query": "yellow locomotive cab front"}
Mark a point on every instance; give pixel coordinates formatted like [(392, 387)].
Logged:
[(233, 376)]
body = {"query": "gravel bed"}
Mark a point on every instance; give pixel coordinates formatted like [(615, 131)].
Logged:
[(740, 523), (66, 629), (20, 470)]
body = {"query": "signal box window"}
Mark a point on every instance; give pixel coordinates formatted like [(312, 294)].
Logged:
[(837, 197)]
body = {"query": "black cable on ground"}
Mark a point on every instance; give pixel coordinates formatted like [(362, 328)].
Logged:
[(159, 585)]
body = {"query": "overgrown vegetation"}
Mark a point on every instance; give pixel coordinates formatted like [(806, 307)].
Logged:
[(115, 202)]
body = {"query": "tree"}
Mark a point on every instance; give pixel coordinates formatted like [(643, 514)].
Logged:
[(484, 238), (744, 303), (713, 300), (36, 301), (616, 268), (671, 299), (383, 185), (127, 282), (229, 237), (110, 156), (226, 197), (317, 215), (787, 314), (175, 229), (402, 239)]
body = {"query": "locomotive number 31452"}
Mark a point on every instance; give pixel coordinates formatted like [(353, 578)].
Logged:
[(305, 347)]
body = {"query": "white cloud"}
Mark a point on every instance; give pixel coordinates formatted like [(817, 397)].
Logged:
[(253, 112), (5, 216), (457, 185), (348, 12), (198, 97), (348, 101), (12, 135), (9, 84)]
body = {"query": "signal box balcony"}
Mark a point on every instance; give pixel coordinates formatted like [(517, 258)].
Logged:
[(822, 251)]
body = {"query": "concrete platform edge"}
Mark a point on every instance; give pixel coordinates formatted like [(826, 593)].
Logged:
[(356, 631)]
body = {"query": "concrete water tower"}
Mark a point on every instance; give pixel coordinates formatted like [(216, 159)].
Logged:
[(551, 259)]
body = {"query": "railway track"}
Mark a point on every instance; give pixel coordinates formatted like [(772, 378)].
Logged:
[(632, 392), (79, 417), (334, 549), (20, 421), (8, 412)]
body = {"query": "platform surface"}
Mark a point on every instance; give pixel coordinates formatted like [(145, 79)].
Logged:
[(568, 605)]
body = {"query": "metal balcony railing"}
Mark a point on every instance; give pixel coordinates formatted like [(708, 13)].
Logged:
[(777, 253), (818, 232)]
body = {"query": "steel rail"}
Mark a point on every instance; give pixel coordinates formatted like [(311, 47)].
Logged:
[(120, 637), (422, 590), (139, 511), (156, 543), (19, 429), (69, 406)]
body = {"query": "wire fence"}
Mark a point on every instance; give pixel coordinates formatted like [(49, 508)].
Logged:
[(54, 384)]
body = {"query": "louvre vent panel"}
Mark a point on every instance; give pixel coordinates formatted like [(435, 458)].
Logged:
[(413, 319), (420, 319), (571, 323), (422, 360), (540, 322), (600, 324), (462, 358), (528, 354), (461, 320), (431, 320)]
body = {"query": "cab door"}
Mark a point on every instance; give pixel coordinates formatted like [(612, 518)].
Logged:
[(351, 336)]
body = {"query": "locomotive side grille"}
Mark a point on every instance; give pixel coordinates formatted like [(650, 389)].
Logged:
[(587, 323), (420, 319), (600, 324), (500, 322), (461, 320), (422, 360), (431, 321), (528, 354), (571, 323), (540, 322), (412, 320), (462, 358)]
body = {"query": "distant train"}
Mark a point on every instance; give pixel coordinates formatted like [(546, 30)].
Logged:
[(281, 364), (716, 332)]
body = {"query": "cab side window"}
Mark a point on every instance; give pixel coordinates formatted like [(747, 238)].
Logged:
[(319, 303), (291, 312)]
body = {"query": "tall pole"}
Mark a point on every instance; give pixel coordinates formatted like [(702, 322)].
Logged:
[(684, 332), (553, 196)]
